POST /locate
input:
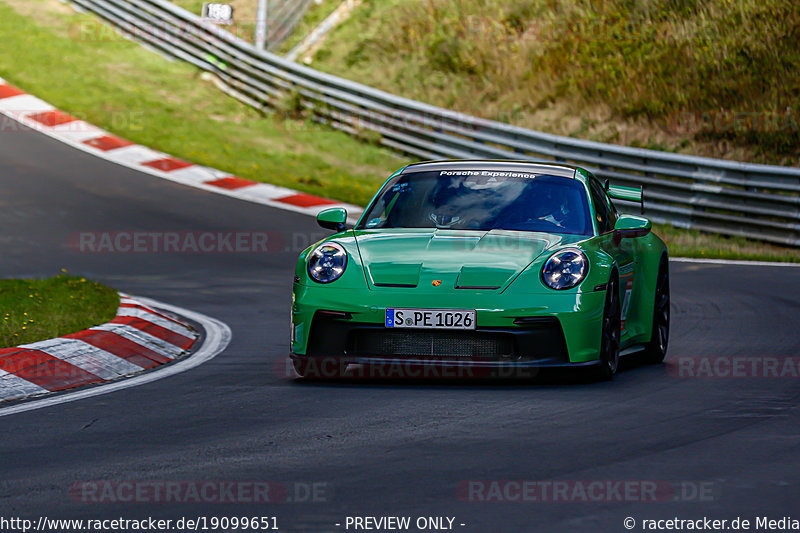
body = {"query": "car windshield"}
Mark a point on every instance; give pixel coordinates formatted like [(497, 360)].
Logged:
[(481, 200)]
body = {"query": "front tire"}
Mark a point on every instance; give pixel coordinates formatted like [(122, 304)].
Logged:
[(656, 349), (610, 333)]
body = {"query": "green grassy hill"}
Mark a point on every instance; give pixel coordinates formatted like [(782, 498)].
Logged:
[(716, 78)]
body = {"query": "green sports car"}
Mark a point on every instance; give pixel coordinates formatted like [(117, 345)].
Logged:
[(484, 264)]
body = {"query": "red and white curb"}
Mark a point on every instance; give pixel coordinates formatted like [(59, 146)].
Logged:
[(138, 338), (38, 115), (216, 337)]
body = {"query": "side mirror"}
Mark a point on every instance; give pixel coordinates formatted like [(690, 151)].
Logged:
[(334, 218), (630, 226)]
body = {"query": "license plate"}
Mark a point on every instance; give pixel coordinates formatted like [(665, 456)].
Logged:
[(431, 318)]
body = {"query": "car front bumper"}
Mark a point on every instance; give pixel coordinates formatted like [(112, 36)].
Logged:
[(523, 330)]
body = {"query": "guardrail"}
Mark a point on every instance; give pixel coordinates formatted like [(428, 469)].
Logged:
[(727, 197)]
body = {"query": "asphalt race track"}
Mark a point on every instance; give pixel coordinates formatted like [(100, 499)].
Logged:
[(729, 447)]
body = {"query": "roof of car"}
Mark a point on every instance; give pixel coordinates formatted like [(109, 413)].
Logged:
[(551, 169)]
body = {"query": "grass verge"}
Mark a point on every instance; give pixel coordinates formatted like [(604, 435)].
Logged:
[(693, 243), (39, 309), (83, 67)]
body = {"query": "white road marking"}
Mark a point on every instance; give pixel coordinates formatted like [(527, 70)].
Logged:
[(196, 175), (78, 131), (133, 155), (258, 194), (23, 105), (731, 262)]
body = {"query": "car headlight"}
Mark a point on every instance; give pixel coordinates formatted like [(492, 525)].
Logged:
[(327, 262), (565, 269)]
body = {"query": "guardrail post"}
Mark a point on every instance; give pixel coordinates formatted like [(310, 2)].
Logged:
[(261, 24)]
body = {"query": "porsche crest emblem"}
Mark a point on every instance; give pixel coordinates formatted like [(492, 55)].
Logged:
[(436, 282)]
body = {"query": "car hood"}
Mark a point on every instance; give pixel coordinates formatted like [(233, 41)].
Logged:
[(450, 259)]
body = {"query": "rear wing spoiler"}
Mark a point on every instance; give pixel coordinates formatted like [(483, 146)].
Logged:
[(627, 194)]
